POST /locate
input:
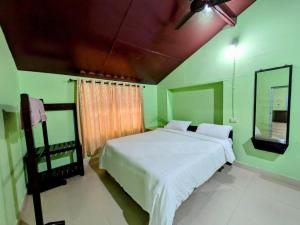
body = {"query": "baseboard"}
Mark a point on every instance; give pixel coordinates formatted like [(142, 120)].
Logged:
[(278, 177)]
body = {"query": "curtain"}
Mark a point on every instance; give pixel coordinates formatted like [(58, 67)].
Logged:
[(107, 111)]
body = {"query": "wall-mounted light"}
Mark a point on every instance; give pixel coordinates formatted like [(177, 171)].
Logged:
[(233, 52)]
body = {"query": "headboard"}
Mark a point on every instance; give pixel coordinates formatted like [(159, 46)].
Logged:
[(194, 128)]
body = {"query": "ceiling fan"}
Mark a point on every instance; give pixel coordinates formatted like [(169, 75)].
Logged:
[(198, 6)]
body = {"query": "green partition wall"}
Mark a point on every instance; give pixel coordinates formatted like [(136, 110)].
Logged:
[(200, 104)]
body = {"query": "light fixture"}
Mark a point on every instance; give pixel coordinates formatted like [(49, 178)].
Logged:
[(207, 9), (232, 53), (233, 49)]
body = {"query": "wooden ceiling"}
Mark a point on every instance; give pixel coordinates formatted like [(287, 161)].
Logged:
[(132, 40)]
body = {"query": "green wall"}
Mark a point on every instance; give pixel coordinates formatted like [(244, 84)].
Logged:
[(12, 179), (199, 104), (268, 37)]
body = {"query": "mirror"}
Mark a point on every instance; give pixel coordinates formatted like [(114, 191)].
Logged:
[(272, 109)]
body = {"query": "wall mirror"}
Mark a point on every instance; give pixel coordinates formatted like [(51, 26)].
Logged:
[(272, 101)]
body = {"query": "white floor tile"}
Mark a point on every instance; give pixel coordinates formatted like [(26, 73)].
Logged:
[(276, 189), (255, 209), (211, 204), (236, 176)]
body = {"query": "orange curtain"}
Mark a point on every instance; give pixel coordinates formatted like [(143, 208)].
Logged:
[(107, 111)]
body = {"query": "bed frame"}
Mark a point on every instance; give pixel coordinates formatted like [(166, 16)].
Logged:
[(194, 128)]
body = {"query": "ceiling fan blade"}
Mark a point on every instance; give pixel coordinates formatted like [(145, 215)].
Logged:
[(184, 19), (217, 2), (226, 14)]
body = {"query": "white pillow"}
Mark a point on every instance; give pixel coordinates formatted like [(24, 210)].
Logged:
[(178, 125), (213, 130)]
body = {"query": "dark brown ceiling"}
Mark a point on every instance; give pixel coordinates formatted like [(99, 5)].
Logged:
[(123, 39)]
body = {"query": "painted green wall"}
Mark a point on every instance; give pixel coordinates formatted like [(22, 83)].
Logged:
[(150, 105), (268, 37), (12, 179), (199, 104)]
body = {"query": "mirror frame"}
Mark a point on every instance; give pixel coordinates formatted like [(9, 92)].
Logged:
[(268, 145)]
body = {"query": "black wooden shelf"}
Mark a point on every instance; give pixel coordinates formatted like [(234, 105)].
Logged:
[(54, 177), (56, 149), (57, 175), (38, 181)]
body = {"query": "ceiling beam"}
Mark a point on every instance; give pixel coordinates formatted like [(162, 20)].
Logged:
[(226, 14)]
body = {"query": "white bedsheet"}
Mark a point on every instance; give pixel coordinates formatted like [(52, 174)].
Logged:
[(161, 168)]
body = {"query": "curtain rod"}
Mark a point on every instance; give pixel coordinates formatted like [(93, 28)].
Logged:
[(107, 82)]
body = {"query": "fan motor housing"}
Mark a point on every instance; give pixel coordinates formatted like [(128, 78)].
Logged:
[(197, 5)]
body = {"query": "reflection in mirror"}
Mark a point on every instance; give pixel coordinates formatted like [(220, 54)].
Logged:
[(271, 119)]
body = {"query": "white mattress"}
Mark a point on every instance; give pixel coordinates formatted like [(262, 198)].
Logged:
[(161, 168)]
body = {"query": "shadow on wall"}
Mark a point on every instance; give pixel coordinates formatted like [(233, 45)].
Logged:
[(251, 151), (13, 171), (133, 213)]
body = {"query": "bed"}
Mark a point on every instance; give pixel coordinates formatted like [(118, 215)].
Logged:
[(161, 168)]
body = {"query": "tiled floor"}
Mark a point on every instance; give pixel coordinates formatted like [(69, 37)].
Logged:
[(236, 196)]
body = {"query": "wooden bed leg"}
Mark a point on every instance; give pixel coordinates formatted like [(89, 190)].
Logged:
[(220, 170), (57, 223)]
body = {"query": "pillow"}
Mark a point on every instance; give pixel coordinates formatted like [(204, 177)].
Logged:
[(178, 125), (213, 130)]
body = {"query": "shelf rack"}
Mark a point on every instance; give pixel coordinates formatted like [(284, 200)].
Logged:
[(38, 182)]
